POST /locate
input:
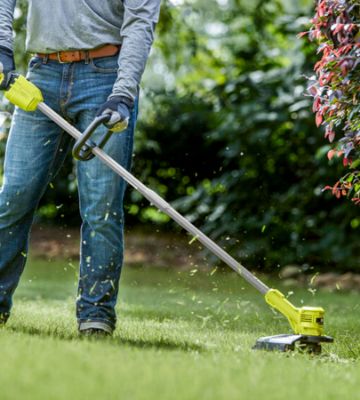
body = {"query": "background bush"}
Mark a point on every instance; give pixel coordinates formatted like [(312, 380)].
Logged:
[(336, 86)]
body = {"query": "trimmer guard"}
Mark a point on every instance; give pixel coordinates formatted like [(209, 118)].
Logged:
[(311, 344)]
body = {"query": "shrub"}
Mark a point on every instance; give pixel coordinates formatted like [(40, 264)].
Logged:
[(336, 86)]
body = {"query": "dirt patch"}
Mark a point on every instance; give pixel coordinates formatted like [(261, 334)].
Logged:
[(160, 249), (293, 275), (172, 250)]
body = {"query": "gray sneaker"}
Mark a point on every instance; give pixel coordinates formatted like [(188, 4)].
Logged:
[(95, 329), (3, 318), (95, 333)]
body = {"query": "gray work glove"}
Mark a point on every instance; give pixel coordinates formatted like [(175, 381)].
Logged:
[(118, 108), (7, 65)]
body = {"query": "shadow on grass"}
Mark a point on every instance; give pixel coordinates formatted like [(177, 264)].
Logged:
[(164, 344), (245, 323), (118, 340)]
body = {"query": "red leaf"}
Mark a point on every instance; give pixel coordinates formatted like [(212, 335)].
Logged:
[(316, 104), (331, 154), (346, 161), (318, 119), (334, 189), (327, 188), (338, 28), (302, 34)]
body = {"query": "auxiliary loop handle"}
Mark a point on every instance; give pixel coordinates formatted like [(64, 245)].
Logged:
[(82, 149)]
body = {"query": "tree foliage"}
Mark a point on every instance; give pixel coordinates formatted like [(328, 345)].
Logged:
[(238, 94)]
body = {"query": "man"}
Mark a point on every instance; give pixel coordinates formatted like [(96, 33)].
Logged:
[(89, 59)]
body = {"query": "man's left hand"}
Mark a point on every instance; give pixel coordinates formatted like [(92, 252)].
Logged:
[(7, 67), (118, 108)]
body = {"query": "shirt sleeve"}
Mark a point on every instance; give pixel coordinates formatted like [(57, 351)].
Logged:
[(137, 32), (6, 21)]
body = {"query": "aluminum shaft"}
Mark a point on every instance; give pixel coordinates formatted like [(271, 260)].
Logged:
[(160, 203)]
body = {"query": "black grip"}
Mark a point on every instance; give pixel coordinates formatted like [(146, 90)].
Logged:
[(82, 149)]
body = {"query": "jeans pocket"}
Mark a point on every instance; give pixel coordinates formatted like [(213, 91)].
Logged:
[(105, 65), (34, 63)]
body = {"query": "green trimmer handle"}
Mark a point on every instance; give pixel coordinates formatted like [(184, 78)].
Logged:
[(83, 146)]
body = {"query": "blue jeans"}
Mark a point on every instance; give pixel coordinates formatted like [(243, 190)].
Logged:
[(35, 151)]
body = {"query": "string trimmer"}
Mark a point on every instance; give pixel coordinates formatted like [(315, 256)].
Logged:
[(306, 322)]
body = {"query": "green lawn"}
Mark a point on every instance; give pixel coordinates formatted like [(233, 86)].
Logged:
[(181, 335)]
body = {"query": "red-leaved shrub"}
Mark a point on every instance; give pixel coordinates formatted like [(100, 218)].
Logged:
[(336, 86)]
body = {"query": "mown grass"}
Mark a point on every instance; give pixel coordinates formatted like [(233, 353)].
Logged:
[(181, 335)]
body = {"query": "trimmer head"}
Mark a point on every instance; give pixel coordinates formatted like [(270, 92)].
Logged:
[(306, 322), (309, 344)]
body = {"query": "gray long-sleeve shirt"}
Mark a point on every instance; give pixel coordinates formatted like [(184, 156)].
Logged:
[(55, 25)]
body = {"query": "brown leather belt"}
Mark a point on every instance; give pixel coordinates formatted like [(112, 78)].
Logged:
[(81, 55)]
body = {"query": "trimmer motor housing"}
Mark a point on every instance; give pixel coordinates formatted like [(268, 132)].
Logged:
[(311, 321), (307, 321)]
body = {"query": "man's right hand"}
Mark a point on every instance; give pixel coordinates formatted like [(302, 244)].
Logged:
[(7, 65)]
